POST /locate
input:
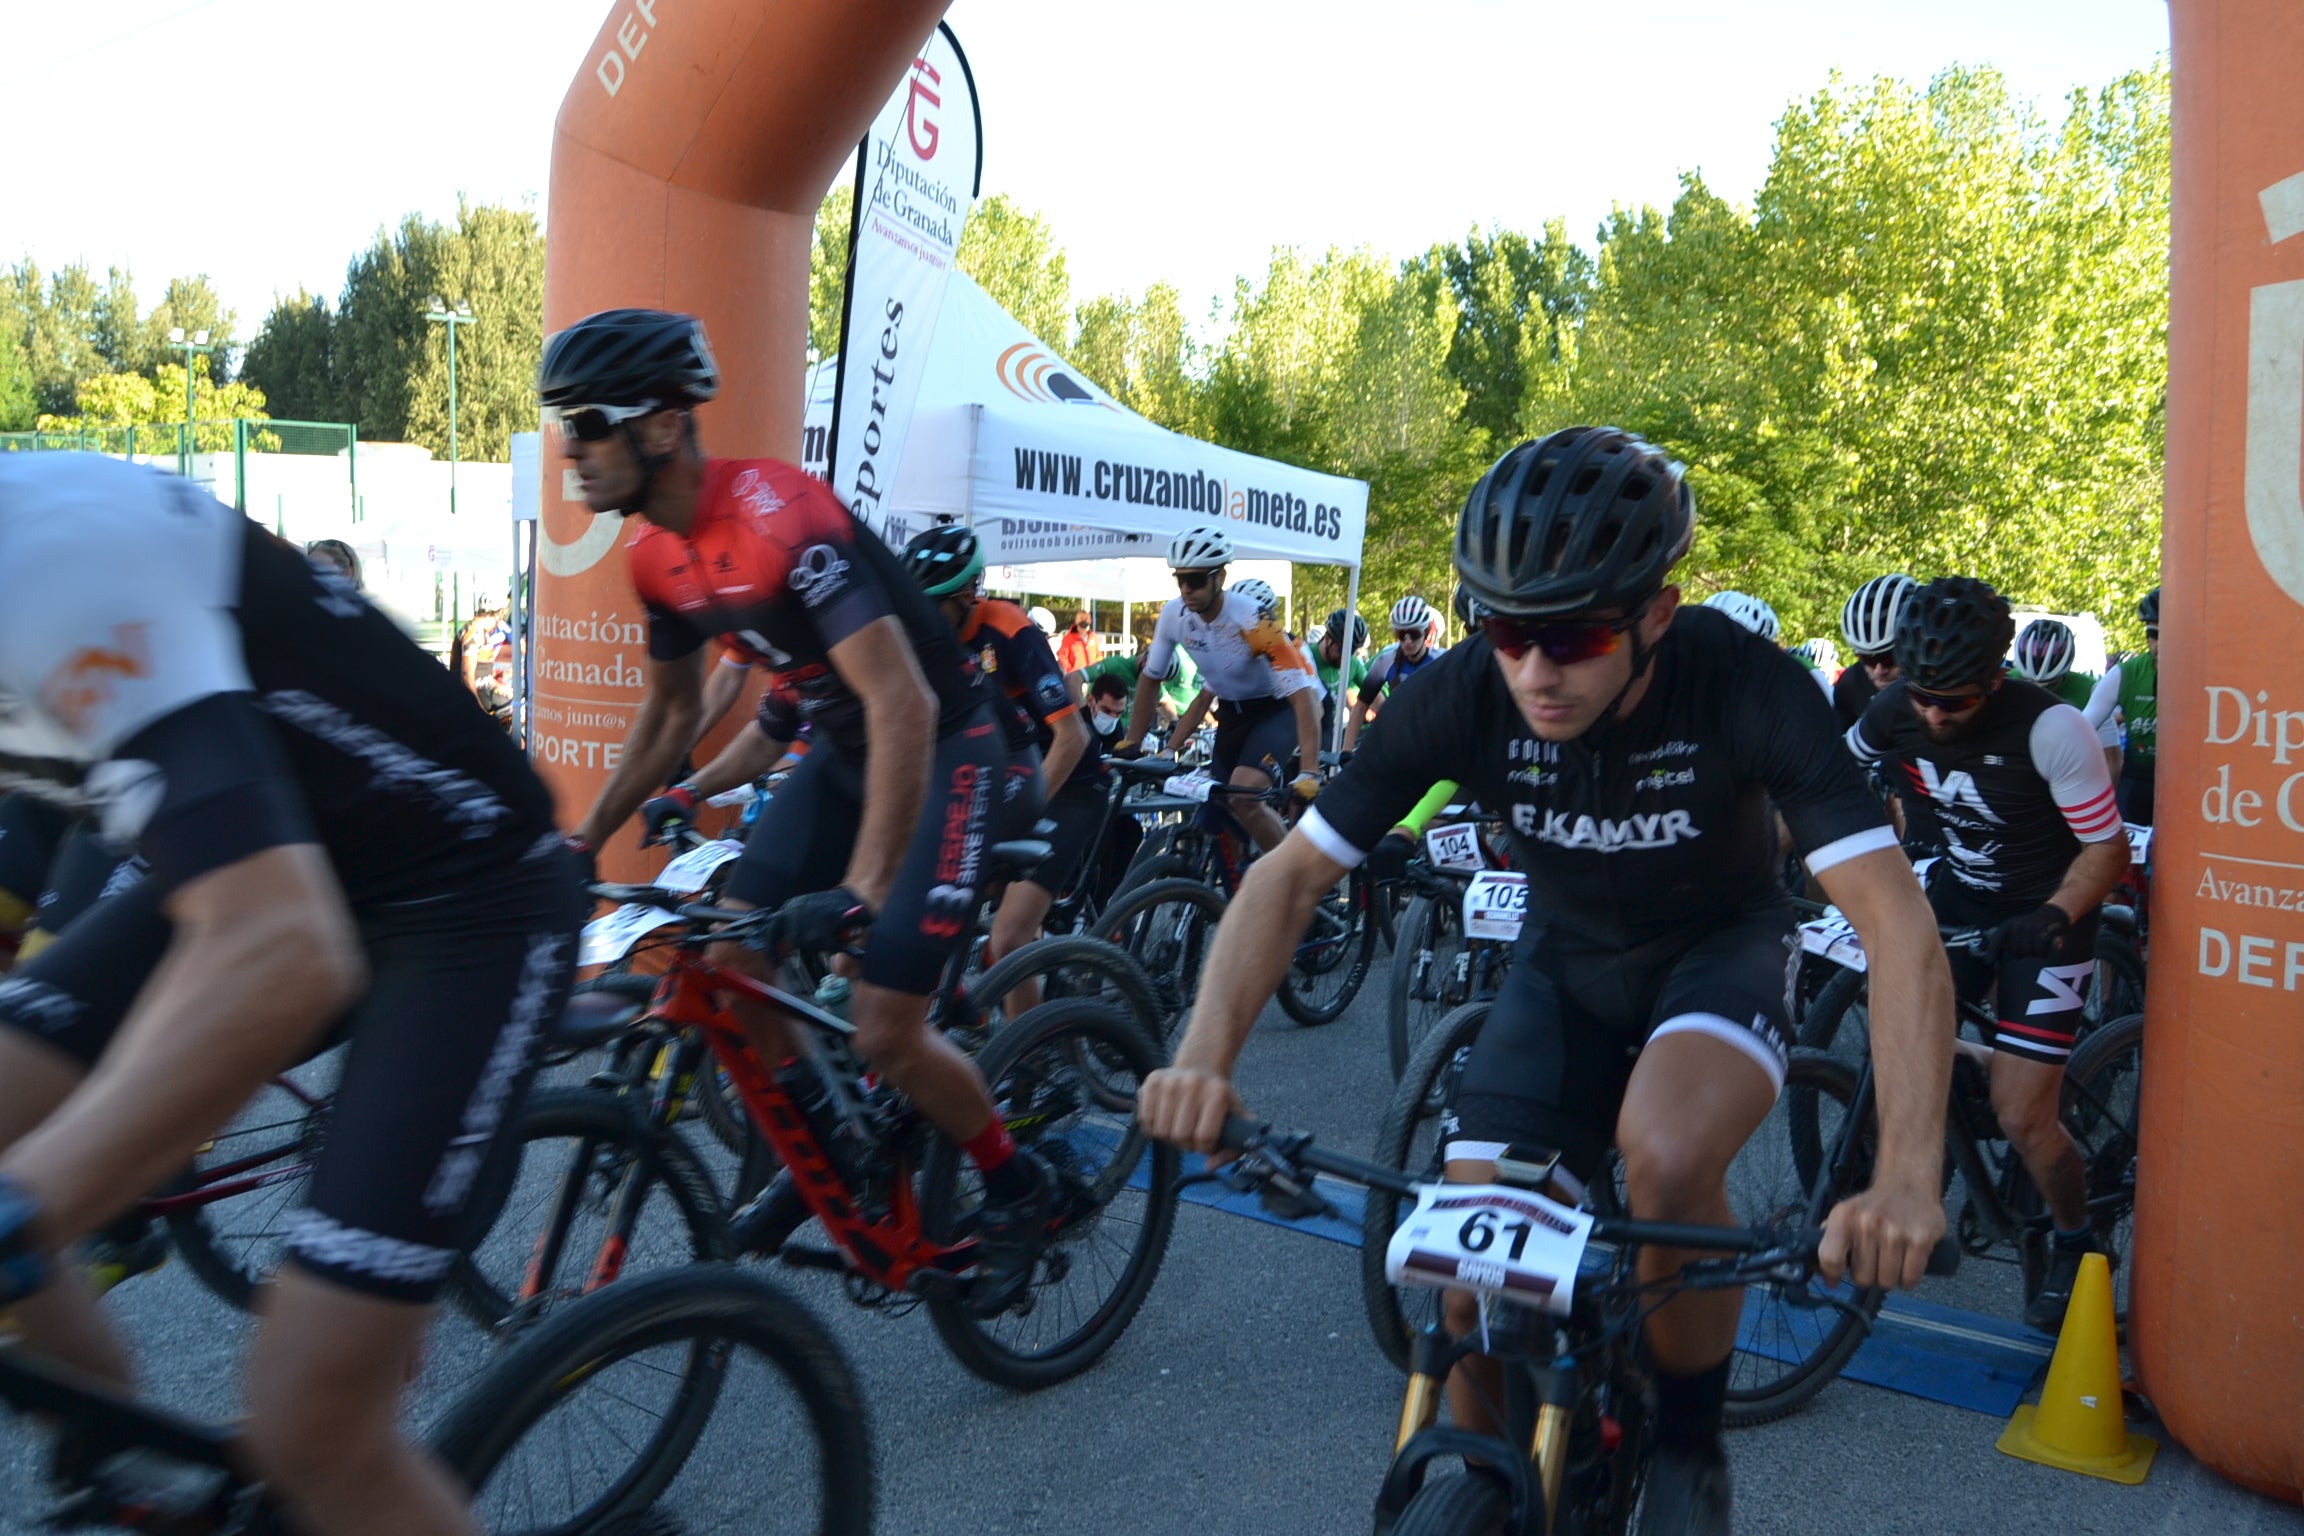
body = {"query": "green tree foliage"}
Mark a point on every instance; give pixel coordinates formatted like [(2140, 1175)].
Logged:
[(68, 329), (377, 361), (1013, 256), (17, 406), (155, 407), (828, 271)]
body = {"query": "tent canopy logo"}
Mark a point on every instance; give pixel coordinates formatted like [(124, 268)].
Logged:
[(1030, 373)]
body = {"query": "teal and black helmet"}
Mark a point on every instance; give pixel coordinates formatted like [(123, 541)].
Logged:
[(945, 560)]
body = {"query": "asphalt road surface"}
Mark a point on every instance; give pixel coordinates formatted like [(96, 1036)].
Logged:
[(1246, 1397)]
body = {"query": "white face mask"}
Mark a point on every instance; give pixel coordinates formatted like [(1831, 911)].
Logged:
[(1103, 723)]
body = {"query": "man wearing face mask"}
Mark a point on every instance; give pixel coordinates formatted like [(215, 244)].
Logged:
[(1632, 747)]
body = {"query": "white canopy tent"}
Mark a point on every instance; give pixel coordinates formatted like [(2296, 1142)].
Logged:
[(1071, 491)]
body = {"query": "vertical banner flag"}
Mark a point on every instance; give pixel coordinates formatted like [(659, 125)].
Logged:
[(917, 174)]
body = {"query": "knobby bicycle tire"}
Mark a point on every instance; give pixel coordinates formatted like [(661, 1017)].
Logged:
[(1423, 969), (1467, 1504), (2103, 1086), (1353, 951), (1035, 1066), (609, 1133), (1417, 1098), (1764, 1384), (710, 1308), (1076, 952), (1172, 952)]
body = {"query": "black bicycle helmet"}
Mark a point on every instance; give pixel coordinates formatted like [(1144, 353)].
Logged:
[(1335, 627), (945, 560), (1952, 633), (1589, 518), (2149, 609), (628, 357)]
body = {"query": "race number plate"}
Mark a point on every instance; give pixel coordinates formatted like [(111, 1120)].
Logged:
[(1494, 904), (689, 871), (1196, 785), (607, 939), (1834, 938), (1492, 1239), (1456, 848)]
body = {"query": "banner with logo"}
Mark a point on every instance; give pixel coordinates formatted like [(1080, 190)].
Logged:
[(2213, 1324), (917, 174)]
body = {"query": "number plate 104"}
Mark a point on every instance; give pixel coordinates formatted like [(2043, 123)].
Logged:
[(1455, 847), (1493, 1239), (1494, 904)]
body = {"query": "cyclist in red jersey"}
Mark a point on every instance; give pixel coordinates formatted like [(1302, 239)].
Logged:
[(757, 552)]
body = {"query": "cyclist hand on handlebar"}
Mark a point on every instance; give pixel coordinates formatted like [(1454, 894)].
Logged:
[(1188, 1106), (1306, 786), (2031, 934), (587, 859), (1388, 860), (676, 804), (1882, 1236), (820, 920)]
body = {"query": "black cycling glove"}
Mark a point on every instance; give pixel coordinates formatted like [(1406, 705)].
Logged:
[(676, 804), (819, 920), (2036, 933), (587, 861), (1388, 860)]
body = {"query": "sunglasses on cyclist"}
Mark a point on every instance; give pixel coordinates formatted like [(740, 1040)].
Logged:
[(1877, 659), (594, 423), (2151, 631), (1193, 581), (1950, 703), (1562, 644)]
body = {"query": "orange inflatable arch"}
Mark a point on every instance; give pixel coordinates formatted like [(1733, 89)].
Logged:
[(690, 157), (689, 160)]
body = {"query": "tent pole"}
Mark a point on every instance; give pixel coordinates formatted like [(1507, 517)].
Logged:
[(1344, 666)]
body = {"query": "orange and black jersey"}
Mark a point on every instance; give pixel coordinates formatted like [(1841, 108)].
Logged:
[(1013, 661), (777, 566)]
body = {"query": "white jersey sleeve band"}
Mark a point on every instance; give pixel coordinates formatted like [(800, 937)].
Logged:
[(1866, 753), (1330, 841), (2065, 751), (1854, 846)]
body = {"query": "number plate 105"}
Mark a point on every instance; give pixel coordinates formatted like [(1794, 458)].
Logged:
[(1492, 1239), (1494, 904)]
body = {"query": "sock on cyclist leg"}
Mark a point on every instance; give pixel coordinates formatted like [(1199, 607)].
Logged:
[(1689, 1409), (2080, 1241), (1006, 1178)]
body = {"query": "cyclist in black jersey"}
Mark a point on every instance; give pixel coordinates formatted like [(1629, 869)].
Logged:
[(1632, 746), (322, 808), (2010, 782)]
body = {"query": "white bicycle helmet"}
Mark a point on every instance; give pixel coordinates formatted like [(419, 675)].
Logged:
[(1199, 549), (1868, 622), (1822, 654), (1748, 611), (1413, 615), (1267, 600), (1043, 618), (2044, 651)]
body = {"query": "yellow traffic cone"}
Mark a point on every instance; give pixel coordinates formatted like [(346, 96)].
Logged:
[(2078, 1424)]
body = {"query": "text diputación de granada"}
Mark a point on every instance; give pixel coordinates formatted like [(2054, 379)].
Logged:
[(1051, 473)]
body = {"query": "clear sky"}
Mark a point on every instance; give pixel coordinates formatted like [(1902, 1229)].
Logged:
[(264, 141)]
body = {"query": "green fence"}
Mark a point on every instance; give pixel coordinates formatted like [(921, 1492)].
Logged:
[(180, 446)]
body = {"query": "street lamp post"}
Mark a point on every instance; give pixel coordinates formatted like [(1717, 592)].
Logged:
[(196, 342), (440, 314)]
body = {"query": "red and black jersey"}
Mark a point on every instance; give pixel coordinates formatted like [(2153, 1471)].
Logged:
[(777, 566)]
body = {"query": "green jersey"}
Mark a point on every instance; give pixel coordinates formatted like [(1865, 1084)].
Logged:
[(1329, 674), (2074, 688), (1177, 691), (2140, 707)]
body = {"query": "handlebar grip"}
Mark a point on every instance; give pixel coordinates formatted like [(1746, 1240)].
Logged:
[(1944, 1258), (1239, 1130)]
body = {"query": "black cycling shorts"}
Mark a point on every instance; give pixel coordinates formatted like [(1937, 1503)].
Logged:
[(1078, 811), (87, 870), (2037, 1001), (1023, 796), (803, 840), (31, 831), (1551, 1064), (1255, 733), (463, 989), (2135, 791)]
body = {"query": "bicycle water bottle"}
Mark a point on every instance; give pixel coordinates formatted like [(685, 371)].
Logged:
[(833, 994)]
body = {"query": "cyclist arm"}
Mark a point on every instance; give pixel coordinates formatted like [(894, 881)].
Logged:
[(2063, 750), (1140, 710), (1189, 721), (2103, 712), (1357, 717), (723, 685), (263, 957), (877, 664), (661, 734), (1883, 1235), (1306, 703), (1255, 944), (744, 759)]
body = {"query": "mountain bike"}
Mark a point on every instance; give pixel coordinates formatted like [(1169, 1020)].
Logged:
[(583, 1426), (898, 1201), (1456, 936), (1796, 1332), (1562, 1309)]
